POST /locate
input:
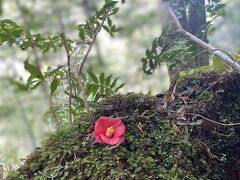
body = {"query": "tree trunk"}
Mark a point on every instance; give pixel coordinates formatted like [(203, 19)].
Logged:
[(194, 22), (168, 27), (197, 27)]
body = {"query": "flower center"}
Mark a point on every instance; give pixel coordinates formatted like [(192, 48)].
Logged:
[(110, 131)]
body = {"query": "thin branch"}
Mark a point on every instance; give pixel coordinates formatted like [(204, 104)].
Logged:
[(69, 76), (198, 41), (215, 122), (66, 47), (86, 4), (81, 84), (90, 46), (85, 101)]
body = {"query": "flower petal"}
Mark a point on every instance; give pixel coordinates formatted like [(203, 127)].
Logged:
[(120, 130), (116, 122), (122, 138), (98, 139), (110, 141), (101, 125)]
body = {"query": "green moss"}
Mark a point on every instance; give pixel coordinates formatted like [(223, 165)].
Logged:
[(153, 148)]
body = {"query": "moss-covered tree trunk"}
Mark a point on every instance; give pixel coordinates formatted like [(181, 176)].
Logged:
[(197, 136)]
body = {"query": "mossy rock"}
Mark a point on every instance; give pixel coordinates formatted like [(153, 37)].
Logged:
[(154, 147)]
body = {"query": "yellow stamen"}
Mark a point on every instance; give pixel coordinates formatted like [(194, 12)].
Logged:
[(110, 131)]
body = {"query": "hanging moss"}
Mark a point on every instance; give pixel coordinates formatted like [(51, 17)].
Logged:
[(154, 148)]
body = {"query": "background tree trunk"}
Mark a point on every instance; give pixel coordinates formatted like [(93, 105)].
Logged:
[(197, 27), (168, 27), (192, 19)]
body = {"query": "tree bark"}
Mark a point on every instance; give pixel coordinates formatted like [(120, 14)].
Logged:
[(197, 27), (179, 8)]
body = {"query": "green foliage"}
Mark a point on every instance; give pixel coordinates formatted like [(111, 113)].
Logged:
[(174, 50), (215, 8), (13, 33), (9, 31), (92, 25), (36, 77), (179, 53), (96, 88), (100, 86), (54, 85)]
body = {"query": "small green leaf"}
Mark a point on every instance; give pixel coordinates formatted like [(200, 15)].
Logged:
[(94, 89), (82, 34), (54, 84), (108, 79), (33, 84), (119, 87), (106, 28), (109, 4), (33, 70), (114, 83), (114, 10), (93, 77), (109, 21), (102, 79), (88, 89), (101, 90)]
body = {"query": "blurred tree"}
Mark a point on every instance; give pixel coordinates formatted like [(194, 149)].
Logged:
[(192, 16), (197, 26), (228, 27), (168, 32)]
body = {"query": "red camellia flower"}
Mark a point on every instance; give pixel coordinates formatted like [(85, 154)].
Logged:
[(109, 130)]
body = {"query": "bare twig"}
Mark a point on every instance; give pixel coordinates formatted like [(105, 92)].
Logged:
[(66, 47), (215, 122), (69, 76), (81, 84), (86, 4), (90, 46), (198, 41), (85, 101)]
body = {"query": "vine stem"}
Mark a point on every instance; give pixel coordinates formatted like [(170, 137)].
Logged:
[(80, 82), (198, 41)]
